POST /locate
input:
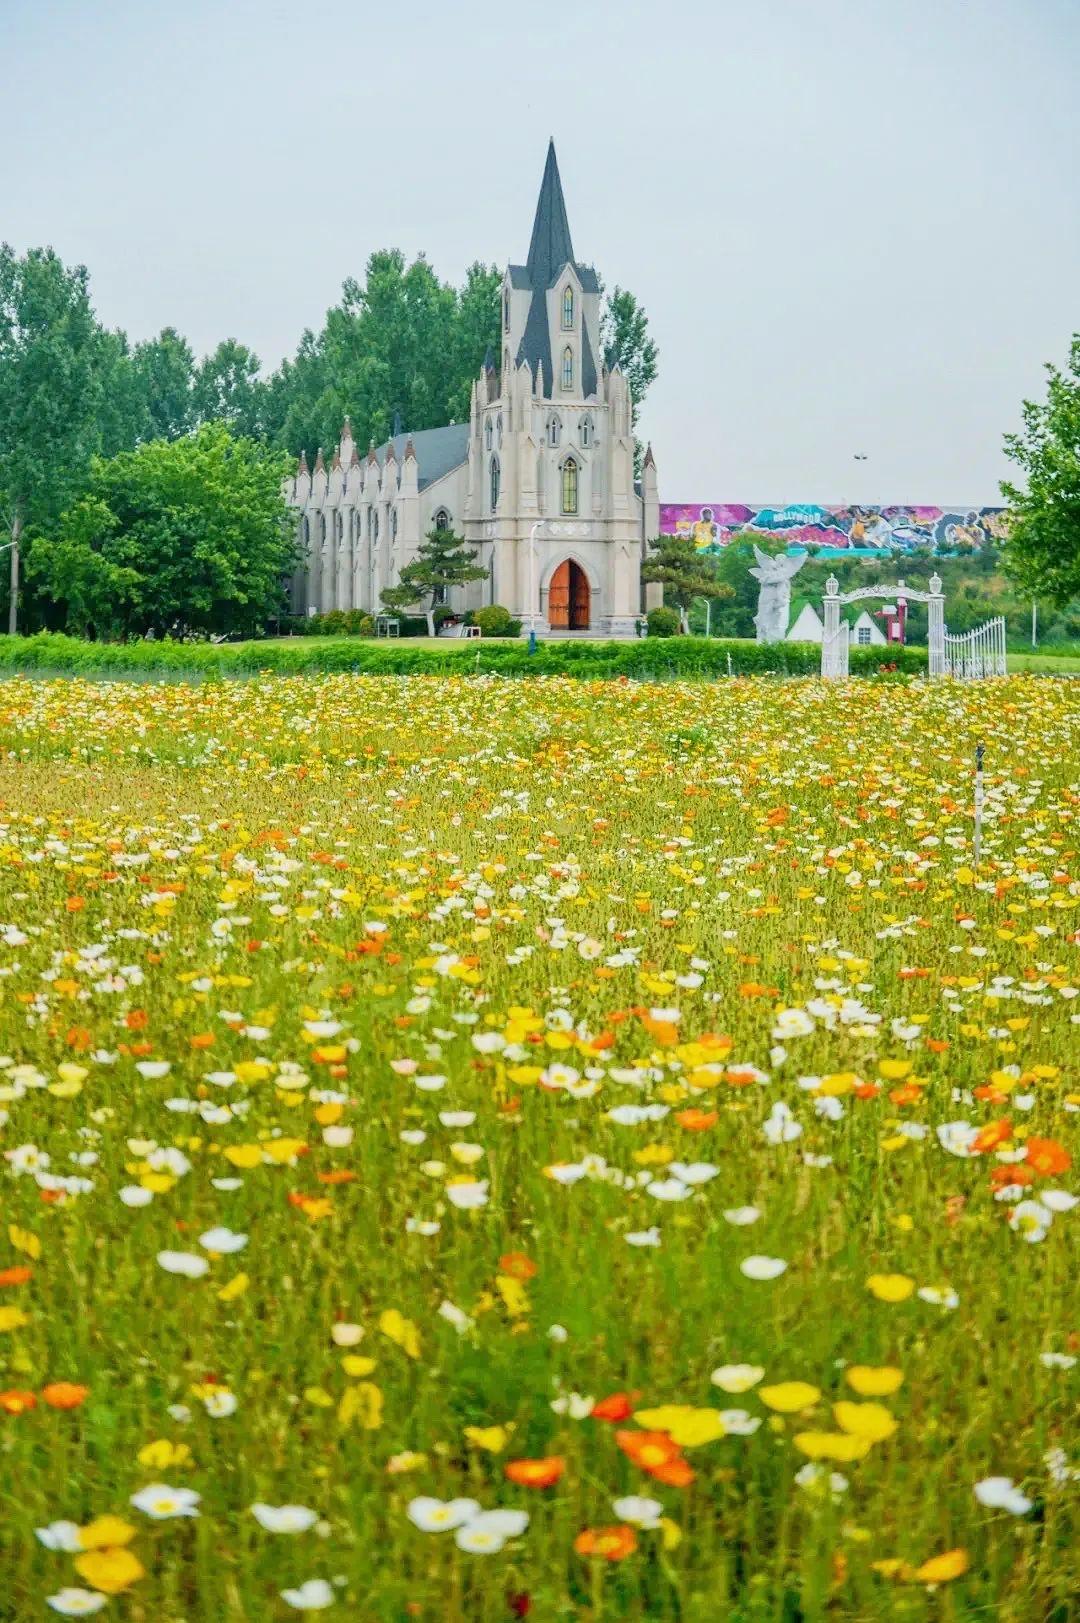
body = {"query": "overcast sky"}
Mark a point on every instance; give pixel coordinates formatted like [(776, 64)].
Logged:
[(853, 223)]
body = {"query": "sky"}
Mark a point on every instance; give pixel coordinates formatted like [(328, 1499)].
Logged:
[(853, 223)]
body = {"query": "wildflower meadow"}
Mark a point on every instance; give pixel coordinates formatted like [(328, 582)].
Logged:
[(476, 1149)]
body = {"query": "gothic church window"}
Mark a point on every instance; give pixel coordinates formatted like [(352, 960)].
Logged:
[(554, 431), (568, 368), (568, 309), (570, 486), (498, 428), (393, 524), (488, 433), (494, 483), (506, 309), (442, 519), (586, 431)]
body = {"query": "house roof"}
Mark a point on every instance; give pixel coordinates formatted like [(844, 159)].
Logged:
[(437, 450)]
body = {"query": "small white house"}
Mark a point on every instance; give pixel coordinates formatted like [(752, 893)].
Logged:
[(807, 626)]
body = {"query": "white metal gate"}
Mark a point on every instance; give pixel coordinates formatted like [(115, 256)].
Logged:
[(978, 653)]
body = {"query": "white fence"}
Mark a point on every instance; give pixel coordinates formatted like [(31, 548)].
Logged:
[(977, 653)]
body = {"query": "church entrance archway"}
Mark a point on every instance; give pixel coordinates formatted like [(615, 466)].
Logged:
[(568, 598)]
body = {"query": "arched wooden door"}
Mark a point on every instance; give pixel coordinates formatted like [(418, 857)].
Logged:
[(568, 598)]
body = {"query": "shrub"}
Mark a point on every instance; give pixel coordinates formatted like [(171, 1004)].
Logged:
[(663, 622), (496, 621)]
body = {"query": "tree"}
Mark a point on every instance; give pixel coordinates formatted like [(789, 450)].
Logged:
[(684, 571), (624, 337), (1042, 548), (51, 355), (175, 536), (225, 388), (444, 560), (164, 369)]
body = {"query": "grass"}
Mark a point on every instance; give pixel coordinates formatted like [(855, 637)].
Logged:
[(503, 1028)]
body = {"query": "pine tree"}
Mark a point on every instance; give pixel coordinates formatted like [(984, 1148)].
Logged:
[(444, 560), (684, 571)]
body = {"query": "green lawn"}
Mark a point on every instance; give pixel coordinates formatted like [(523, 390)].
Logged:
[(1049, 664)]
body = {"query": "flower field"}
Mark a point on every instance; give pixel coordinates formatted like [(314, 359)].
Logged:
[(478, 1149)]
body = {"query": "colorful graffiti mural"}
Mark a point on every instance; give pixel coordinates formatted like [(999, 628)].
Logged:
[(853, 530)]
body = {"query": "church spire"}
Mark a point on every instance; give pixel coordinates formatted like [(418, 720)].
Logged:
[(550, 248)]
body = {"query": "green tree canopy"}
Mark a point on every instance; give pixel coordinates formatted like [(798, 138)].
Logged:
[(443, 561), (173, 537), (52, 353), (1042, 550), (624, 337), (684, 571), (164, 369), (226, 388)]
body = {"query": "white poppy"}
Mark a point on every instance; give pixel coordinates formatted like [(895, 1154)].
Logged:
[(313, 1596), (455, 1316), (284, 1518), (440, 1515), (222, 1241), (60, 1536), (183, 1262), (739, 1422), (643, 1237), (696, 1172), (468, 1196), (1049, 1360), (1031, 1220), (133, 1194), (938, 1296), (762, 1267), (741, 1216), (161, 1503), (667, 1189), (737, 1377), (638, 1511), (1059, 1200), (1000, 1493), (346, 1335), (76, 1602)]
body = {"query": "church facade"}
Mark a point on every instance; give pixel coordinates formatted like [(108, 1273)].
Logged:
[(540, 480)]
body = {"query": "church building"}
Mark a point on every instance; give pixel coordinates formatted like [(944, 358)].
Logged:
[(539, 481)]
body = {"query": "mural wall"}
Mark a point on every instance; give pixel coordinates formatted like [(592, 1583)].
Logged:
[(855, 531)]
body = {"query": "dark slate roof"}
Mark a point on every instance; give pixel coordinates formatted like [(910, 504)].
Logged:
[(550, 248), (550, 251), (437, 450)]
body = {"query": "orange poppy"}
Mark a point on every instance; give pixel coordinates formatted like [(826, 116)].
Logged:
[(1047, 1157), (18, 1275), (535, 1473), (64, 1395), (993, 1134), (619, 1406), (610, 1543), (673, 1474), (14, 1401), (517, 1265), (648, 1449), (697, 1121)]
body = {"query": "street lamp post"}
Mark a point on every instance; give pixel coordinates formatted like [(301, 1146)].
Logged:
[(13, 606), (532, 613)]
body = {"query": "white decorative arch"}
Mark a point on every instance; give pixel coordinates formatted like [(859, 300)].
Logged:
[(834, 641)]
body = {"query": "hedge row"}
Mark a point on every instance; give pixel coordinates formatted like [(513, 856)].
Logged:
[(649, 658)]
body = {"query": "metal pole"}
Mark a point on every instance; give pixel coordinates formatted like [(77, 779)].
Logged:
[(978, 803), (13, 606), (1034, 623), (532, 574)]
